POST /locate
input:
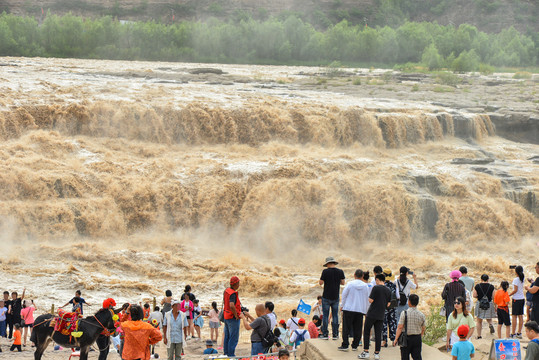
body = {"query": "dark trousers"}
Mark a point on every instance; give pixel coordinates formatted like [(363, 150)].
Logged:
[(13, 347), (103, 343), (378, 326), (9, 323), (535, 313), (413, 348), (352, 322)]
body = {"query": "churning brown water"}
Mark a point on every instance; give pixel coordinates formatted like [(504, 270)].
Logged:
[(127, 185)]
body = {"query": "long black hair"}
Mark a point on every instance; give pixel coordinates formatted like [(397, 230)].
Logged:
[(402, 278), (214, 306), (520, 272), (462, 302)]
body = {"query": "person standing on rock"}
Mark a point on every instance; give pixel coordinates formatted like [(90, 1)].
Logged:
[(231, 312), (355, 300), (332, 278), (484, 308), (534, 289), (414, 321), (380, 299), (452, 290)]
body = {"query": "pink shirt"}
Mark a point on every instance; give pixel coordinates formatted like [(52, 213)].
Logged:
[(27, 314), (214, 317), (183, 305)]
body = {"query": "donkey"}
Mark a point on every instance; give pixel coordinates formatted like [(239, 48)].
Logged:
[(91, 327)]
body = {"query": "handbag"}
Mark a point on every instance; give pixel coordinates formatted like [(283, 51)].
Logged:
[(443, 311), (221, 314), (403, 338)]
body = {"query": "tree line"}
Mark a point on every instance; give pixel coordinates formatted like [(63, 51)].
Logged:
[(271, 41)]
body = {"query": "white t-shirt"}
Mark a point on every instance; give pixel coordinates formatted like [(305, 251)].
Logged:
[(519, 295), (273, 320), (292, 325), (294, 336), (410, 285)]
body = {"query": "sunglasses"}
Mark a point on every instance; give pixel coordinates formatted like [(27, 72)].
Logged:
[(457, 303)]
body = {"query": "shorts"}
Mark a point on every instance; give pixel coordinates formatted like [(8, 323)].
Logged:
[(27, 325), (503, 317), (518, 307), (215, 325), (529, 303)]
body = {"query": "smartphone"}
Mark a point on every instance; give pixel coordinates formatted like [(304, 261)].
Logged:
[(411, 272), (512, 267)]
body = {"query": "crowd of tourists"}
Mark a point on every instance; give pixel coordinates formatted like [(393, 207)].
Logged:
[(381, 309)]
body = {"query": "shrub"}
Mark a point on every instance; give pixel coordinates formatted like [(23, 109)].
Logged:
[(522, 75)]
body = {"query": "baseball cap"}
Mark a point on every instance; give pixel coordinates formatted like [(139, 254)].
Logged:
[(462, 331), (234, 279), (301, 321), (282, 322)]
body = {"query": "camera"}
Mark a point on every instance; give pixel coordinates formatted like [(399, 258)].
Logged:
[(411, 272), (244, 309), (512, 267)]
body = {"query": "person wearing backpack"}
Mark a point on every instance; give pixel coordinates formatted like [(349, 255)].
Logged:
[(261, 326), (404, 286), (484, 308), (300, 334), (390, 317)]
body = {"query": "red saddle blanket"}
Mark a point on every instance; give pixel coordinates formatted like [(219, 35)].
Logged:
[(66, 322)]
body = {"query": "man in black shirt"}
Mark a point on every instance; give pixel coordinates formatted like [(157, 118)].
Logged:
[(534, 289), (380, 300), (16, 307), (332, 278), (9, 318)]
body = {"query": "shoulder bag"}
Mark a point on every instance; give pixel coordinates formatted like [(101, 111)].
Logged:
[(403, 338)]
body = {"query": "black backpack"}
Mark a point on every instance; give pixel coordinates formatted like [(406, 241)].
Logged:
[(484, 304), (269, 339), (403, 300)]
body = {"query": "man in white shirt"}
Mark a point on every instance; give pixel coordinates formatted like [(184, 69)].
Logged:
[(354, 305)]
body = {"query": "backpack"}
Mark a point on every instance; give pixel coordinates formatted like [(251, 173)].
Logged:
[(403, 300), (269, 339), (394, 302), (484, 304), (299, 337)]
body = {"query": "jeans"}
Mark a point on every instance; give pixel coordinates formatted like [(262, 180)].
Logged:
[(174, 352), (3, 328), (400, 309), (413, 348), (334, 305), (232, 335), (257, 348), (351, 322), (378, 325)]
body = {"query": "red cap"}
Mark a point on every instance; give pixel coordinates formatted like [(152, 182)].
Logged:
[(234, 279), (301, 321), (462, 331), (282, 322), (109, 303)]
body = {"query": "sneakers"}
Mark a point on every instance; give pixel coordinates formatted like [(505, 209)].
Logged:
[(342, 348), (323, 337), (335, 338), (376, 356), (354, 349), (364, 355), (518, 335), (491, 328)]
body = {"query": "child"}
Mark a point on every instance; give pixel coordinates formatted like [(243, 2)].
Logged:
[(299, 335), (214, 322), (284, 354), (463, 349), (313, 327), (16, 339), (501, 299), (209, 348), (146, 311), (198, 319)]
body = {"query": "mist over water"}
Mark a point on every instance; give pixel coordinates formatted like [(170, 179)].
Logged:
[(125, 196)]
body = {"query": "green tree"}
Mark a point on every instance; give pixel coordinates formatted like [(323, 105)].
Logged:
[(431, 58)]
